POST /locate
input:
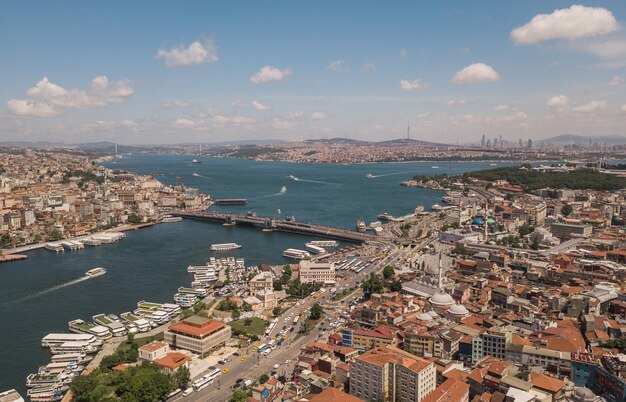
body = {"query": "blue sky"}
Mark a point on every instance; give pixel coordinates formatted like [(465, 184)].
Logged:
[(166, 72)]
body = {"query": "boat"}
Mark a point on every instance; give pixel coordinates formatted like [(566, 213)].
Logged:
[(185, 300), (225, 246), (57, 247), (36, 379), (283, 189), (171, 219), (324, 243), (435, 167), (95, 272), (360, 226), (385, 216), (493, 164), (291, 177), (91, 242), (55, 339), (11, 396), (45, 393), (74, 347), (195, 162), (231, 201), (369, 176), (314, 249), (296, 254)]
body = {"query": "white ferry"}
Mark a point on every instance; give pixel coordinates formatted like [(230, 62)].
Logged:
[(324, 243), (11, 396), (171, 219), (225, 246), (74, 347), (57, 247), (283, 189), (291, 177), (314, 249), (200, 292), (95, 272), (72, 357), (46, 393), (296, 254), (185, 300), (91, 242), (55, 339)]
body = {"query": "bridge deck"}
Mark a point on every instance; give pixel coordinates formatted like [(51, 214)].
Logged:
[(280, 225)]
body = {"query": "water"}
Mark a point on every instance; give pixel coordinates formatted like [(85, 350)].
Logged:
[(41, 294)]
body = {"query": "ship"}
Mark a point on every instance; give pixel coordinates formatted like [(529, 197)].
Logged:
[(225, 246), (385, 216), (196, 162), (291, 177), (171, 219), (296, 254), (369, 176), (95, 272), (360, 226), (283, 189)]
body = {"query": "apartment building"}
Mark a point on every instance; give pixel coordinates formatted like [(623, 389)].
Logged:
[(197, 334), (323, 272)]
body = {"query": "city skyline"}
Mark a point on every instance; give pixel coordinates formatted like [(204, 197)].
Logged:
[(144, 74)]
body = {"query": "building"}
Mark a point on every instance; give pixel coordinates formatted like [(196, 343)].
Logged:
[(261, 282), (197, 334), (566, 230), (495, 342), (311, 271), (332, 395), (365, 339), (389, 374), (152, 351), (450, 391), (171, 362)]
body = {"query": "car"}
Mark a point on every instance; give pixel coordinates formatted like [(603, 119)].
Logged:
[(188, 391), (243, 358), (226, 370), (284, 336), (238, 380), (276, 366)]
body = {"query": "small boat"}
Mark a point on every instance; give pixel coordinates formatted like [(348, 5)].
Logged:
[(435, 167), (195, 174), (283, 189), (291, 177), (369, 176), (196, 162), (95, 272), (493, 164)]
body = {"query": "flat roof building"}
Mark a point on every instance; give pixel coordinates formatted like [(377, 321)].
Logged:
[(197, 334)]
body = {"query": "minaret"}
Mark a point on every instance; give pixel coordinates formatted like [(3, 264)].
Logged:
[(485, 225), (440, 274)]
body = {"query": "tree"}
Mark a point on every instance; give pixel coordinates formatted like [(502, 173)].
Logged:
[(55, 235), (525, 229), (395, 286), (276, 311), (388, 272), (236, 314), (239, 396), (134, 219), (535, 245), (182, 377), (566, 210), (316, 311), (277, 286), (263, 379), (130, 338), (247, 322), (5, 240), (372, 285)]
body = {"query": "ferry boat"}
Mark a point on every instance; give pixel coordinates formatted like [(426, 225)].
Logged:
[(57, 247), (199, 292), (171, 219), (195, 162), (141, 324), (91, 242), (360, 226), (74, 347), (95, 272), (225, 246), (324, 243), (296, 254), (11, 396), (314, 249), (55, 339), (80, 326), (79, 358), (36, 379), (385, 216), (185, 300), (291, 177), (45, 393)]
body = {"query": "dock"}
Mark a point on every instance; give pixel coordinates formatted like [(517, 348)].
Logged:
[(12, 257), (279, 225)]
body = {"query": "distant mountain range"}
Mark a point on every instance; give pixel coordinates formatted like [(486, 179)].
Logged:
[(387, 143), (584, 139)]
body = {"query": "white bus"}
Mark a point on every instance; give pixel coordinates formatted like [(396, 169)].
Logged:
[(202, 383), (213, 374)]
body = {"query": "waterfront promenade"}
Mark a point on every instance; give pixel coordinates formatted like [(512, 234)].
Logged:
[(280, 225)]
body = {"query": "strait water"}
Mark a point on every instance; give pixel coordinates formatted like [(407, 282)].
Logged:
[(41, 294)]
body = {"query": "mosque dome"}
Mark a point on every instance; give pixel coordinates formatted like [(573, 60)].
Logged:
[(583, 394), (424, 317), (442, 299), (458, 309)]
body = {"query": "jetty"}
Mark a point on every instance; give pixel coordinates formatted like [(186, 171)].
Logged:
[(279, 225)]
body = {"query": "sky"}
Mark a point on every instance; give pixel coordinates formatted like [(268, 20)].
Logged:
[(164, 72)]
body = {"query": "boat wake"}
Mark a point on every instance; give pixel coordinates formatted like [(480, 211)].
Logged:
[(389, 174), (268, 195), (199, 175), (52, 289), (318, 182)]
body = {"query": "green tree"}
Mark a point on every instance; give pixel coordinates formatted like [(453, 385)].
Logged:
[(82, 386), (182, 377), (395, 286), (535, 245), (525, 229), (263, 379), (388, 272), (247, 322), (236, 314), (372, 285), (566, 210), (316, 311), (276, 311), (130, 338), (198, 307), (239, 396), (134, 219), (55, 235), (5, 240)]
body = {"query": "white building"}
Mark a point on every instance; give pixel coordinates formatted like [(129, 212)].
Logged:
[(323, 272)]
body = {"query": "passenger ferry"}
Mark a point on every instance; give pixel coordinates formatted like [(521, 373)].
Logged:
[(57, 247), (225, 246), (79, 358), (291, 177), (55, 339), (46, 393), (74, 347), (324, 243), (171, 219), (296, 254), (185, 300), (195, 162), (141, 324), (199, 292), (91, 242), (36, 379), (314, 249), (95, 272)]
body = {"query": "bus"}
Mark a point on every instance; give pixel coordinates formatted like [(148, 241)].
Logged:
[(261, 348), (213, 374), (295, 321), (202, 383)]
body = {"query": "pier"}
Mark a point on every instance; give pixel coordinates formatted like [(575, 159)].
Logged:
[(279, 225)]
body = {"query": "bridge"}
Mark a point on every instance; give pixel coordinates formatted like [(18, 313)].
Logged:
[(279, 225)]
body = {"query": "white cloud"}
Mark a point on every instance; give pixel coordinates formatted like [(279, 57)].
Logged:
[(260, 106), (369, 68), (501, 108), (180, 104), (477, 72), (591, 106), (403, 53), (241, 121), (411, 85), (567, 23), (558, 101), (296, 114), (613, 48), (199, 52), (184, 123), (47, 99), (237, 104), (337, 66), (278, 124), (219, 120), (453, 102), (269, 73), (319, 116), (615, 82), (100, 125)]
